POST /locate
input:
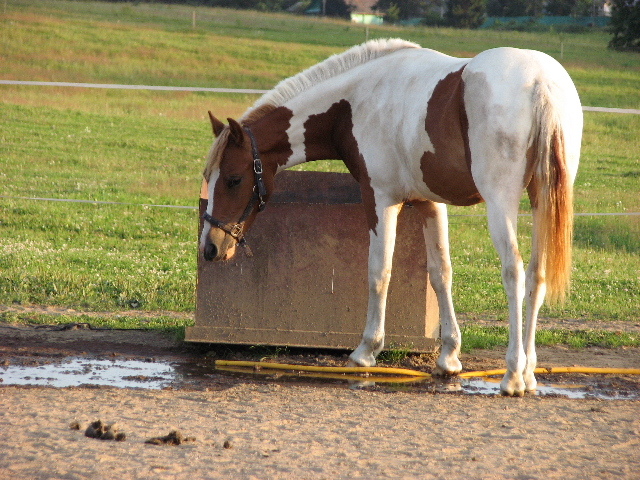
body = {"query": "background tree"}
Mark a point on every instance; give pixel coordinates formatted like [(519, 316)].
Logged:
[(578, 8), (506, 8), (625, 25), (404, 9), (338, 8), (515, 8), (465, 13), (393, 13)]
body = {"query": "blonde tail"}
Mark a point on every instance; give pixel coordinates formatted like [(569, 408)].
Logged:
[(551, 193)]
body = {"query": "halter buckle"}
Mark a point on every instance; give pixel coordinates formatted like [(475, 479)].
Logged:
[(236, 230)]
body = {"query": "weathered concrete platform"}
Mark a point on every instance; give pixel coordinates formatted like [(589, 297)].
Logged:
[(306, 284)]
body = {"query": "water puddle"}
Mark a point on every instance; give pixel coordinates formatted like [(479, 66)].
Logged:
[(156, 374), (83, 371), (491, 386)]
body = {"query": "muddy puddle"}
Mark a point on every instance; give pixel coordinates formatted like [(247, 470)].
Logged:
[(82, 371), (155, 374)]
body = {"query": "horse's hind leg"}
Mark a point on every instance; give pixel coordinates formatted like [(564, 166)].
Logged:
[(436, 236), (502, 224), (535, 288)]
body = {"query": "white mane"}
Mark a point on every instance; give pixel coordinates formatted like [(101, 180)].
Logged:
[(329, 68)]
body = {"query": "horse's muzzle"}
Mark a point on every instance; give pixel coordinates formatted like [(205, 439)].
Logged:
[(210, 252), (218, 246)]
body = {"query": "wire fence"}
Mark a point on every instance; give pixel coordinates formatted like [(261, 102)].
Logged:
[(191, 207)]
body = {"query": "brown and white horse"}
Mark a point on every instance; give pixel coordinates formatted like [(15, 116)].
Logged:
[(414, 125)]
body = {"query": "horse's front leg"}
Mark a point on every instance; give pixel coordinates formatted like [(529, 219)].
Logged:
[(382, 237)]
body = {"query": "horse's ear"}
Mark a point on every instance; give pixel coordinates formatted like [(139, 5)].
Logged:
[(216, 124), (237, 133)]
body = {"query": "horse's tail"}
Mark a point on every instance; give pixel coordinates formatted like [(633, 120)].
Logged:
[(551, 194)]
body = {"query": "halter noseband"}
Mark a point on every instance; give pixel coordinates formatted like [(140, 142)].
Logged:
[(259, 192)]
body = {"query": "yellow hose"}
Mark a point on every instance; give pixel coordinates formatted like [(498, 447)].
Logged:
[(326, 376), (310, 368), (412, 373)]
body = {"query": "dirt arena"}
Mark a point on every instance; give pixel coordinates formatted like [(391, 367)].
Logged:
[(249, 427)]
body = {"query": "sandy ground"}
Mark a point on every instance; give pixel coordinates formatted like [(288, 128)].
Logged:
[(280, 430)]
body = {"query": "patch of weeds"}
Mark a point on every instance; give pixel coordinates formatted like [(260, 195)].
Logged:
[(264, 352), (395, 354)]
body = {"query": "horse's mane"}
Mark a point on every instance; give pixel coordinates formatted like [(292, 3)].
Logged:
[(299, 83), (329, 68)]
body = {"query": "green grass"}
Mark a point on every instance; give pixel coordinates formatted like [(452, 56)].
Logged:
[(165, 323), (100, 156), (483, 337), (97, 257), (142, 147), (155, 44)]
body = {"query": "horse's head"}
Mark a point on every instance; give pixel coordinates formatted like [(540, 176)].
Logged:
[(237, 190)]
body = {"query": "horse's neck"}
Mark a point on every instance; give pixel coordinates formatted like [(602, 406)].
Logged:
[(271, 133), (311, 125), (287, 139)]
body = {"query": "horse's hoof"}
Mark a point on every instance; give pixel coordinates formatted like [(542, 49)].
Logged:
[(530, 383), (438, 371), (352, 363), (361, 357), (512, 385), (447, 367), (515, 393)]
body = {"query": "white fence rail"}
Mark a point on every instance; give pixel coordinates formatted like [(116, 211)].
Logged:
[(632, 111)]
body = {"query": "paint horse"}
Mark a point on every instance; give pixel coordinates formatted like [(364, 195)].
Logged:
[(414, 125)]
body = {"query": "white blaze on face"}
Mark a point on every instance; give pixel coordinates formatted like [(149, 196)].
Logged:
[(210, 188)]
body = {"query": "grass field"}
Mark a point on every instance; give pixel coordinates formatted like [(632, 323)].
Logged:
[(143, 147)]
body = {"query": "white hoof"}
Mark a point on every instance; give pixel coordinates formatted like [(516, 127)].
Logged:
[(359, 359), (512, 385), (530, 382), (447, 366)]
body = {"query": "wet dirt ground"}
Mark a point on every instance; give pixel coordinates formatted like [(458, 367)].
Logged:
[(270, 425)]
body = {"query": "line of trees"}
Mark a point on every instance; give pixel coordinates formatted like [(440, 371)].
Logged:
[(625, 25), (472, 13), (625, 14)]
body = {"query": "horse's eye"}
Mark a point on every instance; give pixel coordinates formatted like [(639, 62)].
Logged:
[(234, 182)]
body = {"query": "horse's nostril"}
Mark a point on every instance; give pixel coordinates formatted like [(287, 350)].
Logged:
[(210, 252)]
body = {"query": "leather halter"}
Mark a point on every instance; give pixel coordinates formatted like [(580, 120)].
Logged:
[(259, 192)]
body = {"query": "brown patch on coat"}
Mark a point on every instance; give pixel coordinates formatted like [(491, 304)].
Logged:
[(270, 131), (447, 170), (427, 209), (329, 135), (257, 113)]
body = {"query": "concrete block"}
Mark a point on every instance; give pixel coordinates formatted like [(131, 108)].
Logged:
[(306, 284)]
